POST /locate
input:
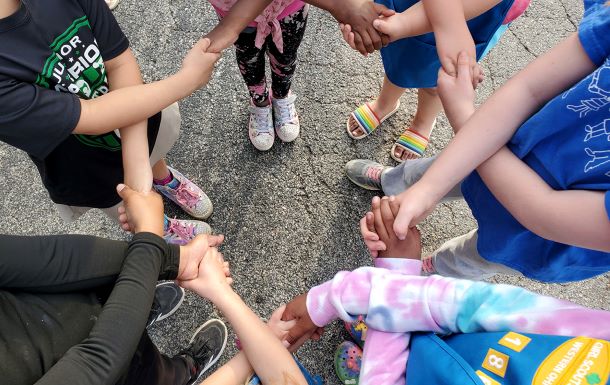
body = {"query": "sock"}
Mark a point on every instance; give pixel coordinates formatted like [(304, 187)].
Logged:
[(169, 181)]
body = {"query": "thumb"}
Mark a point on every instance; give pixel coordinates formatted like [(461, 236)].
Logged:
[(402, 222), (382, 25), (204, 44), (463, 67), (124, 191), (449, 66), (383, 10), (277, 313)]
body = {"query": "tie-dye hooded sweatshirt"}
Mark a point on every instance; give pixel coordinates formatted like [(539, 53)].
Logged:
[(395, 301)]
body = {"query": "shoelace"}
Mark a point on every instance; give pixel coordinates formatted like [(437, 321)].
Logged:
[(261, 121), (287, 112), (185, 196), (427, 265), (183, 231), (374, 173)]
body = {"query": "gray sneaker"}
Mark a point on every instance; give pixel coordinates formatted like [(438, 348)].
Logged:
[(365, 173), (168, 298), (205, 348)]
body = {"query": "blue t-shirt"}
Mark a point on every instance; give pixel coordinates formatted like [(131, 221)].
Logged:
[(567, 143)]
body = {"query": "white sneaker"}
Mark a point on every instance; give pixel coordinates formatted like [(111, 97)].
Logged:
[(260, 127), (287, 124)]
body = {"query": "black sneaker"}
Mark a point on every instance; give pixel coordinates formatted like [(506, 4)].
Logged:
[(168, 298), (365, 173), (206, 347)]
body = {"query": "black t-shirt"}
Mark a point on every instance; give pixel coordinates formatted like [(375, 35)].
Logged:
[(52, 53)]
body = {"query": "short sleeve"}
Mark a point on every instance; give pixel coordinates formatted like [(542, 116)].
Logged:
[(594, 30), (110, 38), (607, 201), (35, 119)]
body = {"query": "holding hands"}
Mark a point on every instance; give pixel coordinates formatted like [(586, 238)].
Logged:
[(198, 64)]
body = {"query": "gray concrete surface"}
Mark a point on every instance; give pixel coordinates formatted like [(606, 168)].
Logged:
[(290, 215)]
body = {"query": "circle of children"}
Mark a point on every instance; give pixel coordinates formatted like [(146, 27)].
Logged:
[(532, 162)]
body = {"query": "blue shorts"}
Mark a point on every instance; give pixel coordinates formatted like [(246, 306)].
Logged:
[(413, 62)]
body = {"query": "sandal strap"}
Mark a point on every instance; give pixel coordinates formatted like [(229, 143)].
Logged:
[(366, 118), (412, 141)]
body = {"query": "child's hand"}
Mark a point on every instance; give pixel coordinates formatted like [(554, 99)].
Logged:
[(140, 211), (198, 64), (384, 212), (450, 43), (304, 327), (415, 204), (394, 26), (358, 16), (192, 253), (370, 236), (457, 93), (213, 278)]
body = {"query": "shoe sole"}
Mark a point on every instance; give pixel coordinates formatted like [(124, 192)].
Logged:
[(164, 316), (224, 343), (364, 186)]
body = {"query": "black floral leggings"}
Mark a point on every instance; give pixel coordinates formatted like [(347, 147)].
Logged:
[(251, 60)]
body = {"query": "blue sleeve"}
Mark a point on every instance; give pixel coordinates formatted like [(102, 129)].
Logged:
[(607, 200), (594, 30)]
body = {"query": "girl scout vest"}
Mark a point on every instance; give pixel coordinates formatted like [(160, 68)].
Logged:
[(507, 358)]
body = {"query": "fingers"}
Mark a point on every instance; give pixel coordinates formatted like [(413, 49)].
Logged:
[(359, 44), (379, 226), (375, 38), (383, 10), (124, 191), (367, 41), (387, 217), (367, 228), (277, 313), (464, 67), (394, 206)]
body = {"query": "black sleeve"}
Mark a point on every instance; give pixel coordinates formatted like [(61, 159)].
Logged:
[(36, 119), (110, 38), (103, 356), (67, 263)]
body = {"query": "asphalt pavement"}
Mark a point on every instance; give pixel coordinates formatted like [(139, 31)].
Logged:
[(290, 215)]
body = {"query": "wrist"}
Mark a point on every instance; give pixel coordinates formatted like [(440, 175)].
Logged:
[(183, 83)]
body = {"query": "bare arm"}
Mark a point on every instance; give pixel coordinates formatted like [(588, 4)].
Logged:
[(496, 121), (128, 106), (572, 217), (261, 349), (123, 71)]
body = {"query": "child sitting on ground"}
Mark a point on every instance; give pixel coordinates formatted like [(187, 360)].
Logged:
[(540, 190), (68, 82), (412, 61), (487, 331)]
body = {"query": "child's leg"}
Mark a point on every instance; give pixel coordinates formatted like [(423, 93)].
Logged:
[(428, 107), (283, 64), (169, 129), (386, 102), (459, 258), (251, 62), (384, 358), (397, 179)]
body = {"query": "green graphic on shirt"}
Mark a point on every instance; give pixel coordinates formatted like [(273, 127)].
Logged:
[(593, 379), (76, 66), (109, 142)]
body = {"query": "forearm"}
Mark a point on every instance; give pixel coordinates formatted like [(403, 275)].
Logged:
[(503, 113), (234, 22), (418, 23), (404, 303), (234, 372), (105, 353), (268, 357), (128, 106), (445, 15), (123, 71), (573, 217)]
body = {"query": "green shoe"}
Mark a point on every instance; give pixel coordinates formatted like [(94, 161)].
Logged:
[(348, 358)]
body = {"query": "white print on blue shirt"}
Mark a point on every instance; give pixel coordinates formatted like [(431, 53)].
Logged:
[(597, 100)]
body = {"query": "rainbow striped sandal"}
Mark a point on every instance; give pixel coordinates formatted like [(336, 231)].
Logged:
[(348, 358), (367, 120), (412, 142)]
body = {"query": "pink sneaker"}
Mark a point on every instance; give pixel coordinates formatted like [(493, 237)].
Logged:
[(188, 196), (427, 266), (181, 231)]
